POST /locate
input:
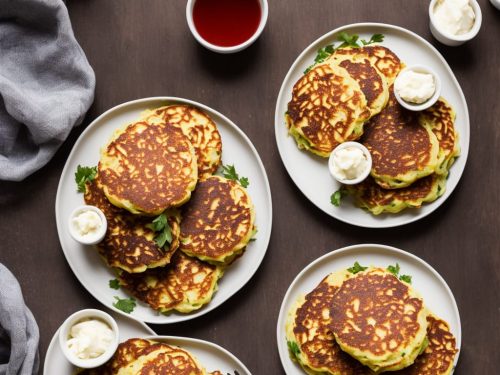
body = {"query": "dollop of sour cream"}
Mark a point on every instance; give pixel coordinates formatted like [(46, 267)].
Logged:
[(87, 223), (454, 16), (349, 163), (89, 338), (415, 87)]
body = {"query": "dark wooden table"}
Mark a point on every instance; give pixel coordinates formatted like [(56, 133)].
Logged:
[(144, 48)]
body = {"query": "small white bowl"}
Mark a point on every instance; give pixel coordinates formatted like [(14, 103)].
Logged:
[(220, 49), (495, 3), (361, 177), (64, 333), (428, 103), (448, 38), (89, 239)]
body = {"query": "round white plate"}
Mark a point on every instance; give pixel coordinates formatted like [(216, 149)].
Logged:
[(310, 172), (56, 362), (431, 286), (211, 356), (85, 261)]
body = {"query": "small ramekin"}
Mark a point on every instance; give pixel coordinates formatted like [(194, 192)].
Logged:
[(495, 3), (450, 39), (361, 177), (232, 49), (428, 103), (78, 316), (88, 239)]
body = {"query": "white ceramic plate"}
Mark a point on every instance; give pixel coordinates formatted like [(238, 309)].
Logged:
[(85, 261), (434, 290), (211, 356), (310, 172)]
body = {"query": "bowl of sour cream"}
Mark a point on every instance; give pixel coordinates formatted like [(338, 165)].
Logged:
[(454, 22), (417, 87), (89, 338), (87, 225), (350, 163)]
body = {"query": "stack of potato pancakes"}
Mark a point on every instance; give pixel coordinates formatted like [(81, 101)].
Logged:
[(173, 226), (368, 321), (349, 97)]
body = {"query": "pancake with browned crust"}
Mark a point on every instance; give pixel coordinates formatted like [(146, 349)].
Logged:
[(185, 285), (439, 356), (129, 244), (371, 196), (198, 127), (147, 169), (382, 58), (441, 118), (379, 320), (371, 81), (146, 357), (327, 108), (218, 221), (310, 340), (403, 149)]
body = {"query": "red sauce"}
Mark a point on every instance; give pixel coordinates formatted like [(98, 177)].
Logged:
[(226, 23)]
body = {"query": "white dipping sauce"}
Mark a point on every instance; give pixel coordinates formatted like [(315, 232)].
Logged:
[(454, 16), (89, 338), (349, 163), (415, 87), (87, 222)]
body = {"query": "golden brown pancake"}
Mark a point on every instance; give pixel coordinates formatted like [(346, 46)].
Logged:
[(218, 221), (371, 196), (439, 356), (402, 149), (326, 109), (386, 61), (378, 320), (186, 284), (147, 169), (129, 244), (441, 117), (311, 332), (198, 127)]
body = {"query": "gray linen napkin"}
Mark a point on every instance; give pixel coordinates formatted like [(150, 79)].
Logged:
[(18, 329), (46, 84)]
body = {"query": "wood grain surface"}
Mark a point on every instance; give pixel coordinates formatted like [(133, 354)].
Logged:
[(144, 48)]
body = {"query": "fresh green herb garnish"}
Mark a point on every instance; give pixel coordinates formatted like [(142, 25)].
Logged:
[(254, 233), (293, 347), (395, 271), (337, 196), (84, 174), (376, 38), (405, 278), (114, 284), (356, 268), (127, 305), (229, 171), (162, 229), (347, 40)]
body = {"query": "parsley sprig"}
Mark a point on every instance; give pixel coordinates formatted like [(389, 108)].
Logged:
[(84, 174), (395, 271), (127, 305), (162, 229), (293, 348), (347, 40), (336, 197), (229, 172), (114, 284), (356, 268)]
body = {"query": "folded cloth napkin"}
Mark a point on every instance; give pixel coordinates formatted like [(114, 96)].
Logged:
[(18, 329), (46, 84)]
